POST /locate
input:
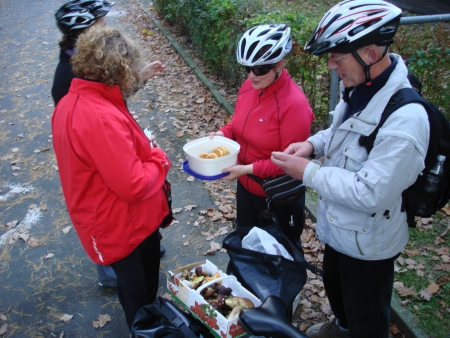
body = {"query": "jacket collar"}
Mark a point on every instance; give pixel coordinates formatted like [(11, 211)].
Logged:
[(275, 86), (86, 86)]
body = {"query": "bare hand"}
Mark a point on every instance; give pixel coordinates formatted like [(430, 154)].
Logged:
[(217, 133), (150, 70), (153, 142), (237, 171), (292, 165), (300, 149)]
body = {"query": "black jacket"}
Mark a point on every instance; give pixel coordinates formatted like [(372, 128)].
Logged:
[(63, 76)]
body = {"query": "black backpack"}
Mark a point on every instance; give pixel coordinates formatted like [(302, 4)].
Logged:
[(162, 318), (439, 145)]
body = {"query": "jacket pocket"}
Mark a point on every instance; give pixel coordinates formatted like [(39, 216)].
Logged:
[(351, 231), (354, 155)]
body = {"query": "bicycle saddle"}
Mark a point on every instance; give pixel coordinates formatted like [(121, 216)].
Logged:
[(270, 319)]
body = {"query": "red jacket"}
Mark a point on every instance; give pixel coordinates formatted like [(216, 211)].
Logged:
[(265, 121), (111, 178)]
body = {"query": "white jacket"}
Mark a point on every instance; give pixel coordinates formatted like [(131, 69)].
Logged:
[(356, 190)]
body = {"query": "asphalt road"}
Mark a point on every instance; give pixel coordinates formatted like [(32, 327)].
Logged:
[(44, 272)]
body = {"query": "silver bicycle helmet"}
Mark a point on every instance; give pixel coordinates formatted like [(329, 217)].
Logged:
[(353, 24), (264, 45), (80, 14)]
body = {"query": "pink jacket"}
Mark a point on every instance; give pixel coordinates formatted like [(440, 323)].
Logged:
[(111, 178), (265, 121)]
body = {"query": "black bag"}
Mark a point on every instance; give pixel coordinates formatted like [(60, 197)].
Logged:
[(167, 188), (162, 318), (281, 190), (263, 274), (439, 145)]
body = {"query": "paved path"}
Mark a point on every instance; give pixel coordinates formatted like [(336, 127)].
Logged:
[(45, 273)]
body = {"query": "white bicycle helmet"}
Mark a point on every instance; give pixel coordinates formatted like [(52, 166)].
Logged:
[(353, 24), (80, 14), (264, 45)]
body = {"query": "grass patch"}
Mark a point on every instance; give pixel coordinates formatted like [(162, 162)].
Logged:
[(423, 269)]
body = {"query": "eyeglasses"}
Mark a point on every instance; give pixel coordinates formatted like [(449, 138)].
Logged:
[(339, 58), (259, 71)]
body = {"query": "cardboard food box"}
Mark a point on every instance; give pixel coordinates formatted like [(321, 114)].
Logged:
[(192, 300)]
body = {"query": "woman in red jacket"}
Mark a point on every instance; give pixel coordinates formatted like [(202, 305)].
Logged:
[(112, 179), (270, 113)]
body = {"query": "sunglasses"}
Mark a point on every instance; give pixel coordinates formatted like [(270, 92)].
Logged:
[(259, 71)]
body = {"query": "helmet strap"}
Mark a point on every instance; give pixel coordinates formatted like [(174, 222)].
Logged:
[(367, 67)]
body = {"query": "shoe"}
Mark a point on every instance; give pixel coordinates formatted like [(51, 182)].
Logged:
[(329, 329), (162, 251)]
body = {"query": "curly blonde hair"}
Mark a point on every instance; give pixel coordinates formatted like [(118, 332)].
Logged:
[(106, 55)]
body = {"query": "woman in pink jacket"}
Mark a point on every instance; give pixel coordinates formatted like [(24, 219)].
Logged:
[(112, 179), (271, 112)]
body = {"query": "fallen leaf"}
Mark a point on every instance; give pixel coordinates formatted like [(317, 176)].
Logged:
[(425, 294), (189, 207), (101, 321), (50, 255), (201, 100), (177, 210), (190, 179), (12, 224), (3, 317), (214, 245), (67, 229), (405, 292), (3, 329), (433, 288), (443, 267), (33, 242), (186, 243), (446, 209), (24, 236), (65, 318)]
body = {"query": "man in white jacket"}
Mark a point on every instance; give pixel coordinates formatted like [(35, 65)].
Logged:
[(359, 212)]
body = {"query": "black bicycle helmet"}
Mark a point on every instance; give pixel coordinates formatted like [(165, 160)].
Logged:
[(353, 24), (80, 14)]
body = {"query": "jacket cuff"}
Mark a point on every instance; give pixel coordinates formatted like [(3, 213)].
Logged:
[(310, 171)]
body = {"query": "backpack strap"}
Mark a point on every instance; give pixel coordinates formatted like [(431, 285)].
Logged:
[(402, 97)]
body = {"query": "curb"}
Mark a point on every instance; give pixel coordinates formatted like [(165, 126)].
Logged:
[(215, 93), (399, 315)]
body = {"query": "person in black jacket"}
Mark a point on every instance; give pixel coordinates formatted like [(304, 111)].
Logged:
[(72, 19)]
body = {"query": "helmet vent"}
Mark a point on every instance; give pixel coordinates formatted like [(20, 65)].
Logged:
[(251, 49), (341, 28), (243, 44), (363, 27), (275, 54), (264, 32), (377, 12), (276, 36)]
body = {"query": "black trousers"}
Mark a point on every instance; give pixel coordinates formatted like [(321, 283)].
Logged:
[(359, 292), (138, 276), (291, 217)]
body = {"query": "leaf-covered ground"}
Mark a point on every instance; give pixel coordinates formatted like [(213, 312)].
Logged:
[(47, 283)]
